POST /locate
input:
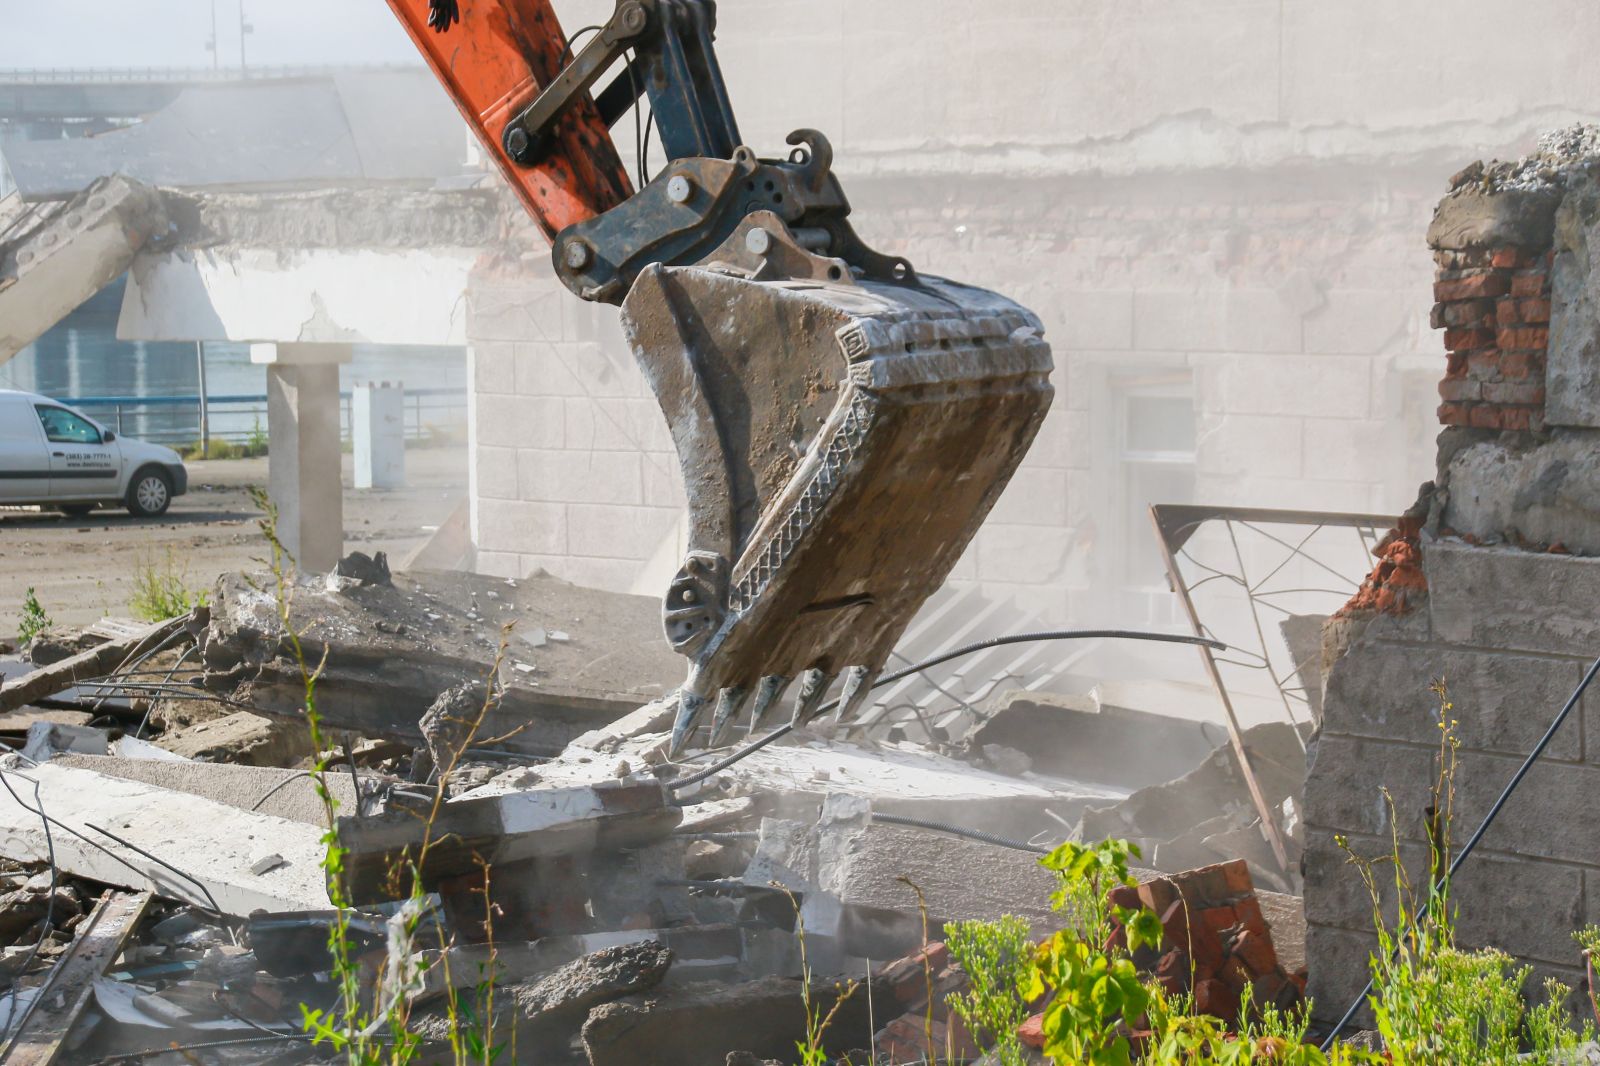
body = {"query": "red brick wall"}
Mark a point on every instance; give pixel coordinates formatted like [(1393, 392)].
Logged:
[(1494, 308)]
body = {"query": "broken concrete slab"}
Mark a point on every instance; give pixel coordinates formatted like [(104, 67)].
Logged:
[(698, 1024), (390, 651), (243, 738), (1083, 738), (895, 778), (492, 828), (1163, 817), (287, 794), (214, 844)]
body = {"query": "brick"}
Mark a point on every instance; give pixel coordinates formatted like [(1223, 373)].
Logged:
[(1529, 284), (1463, 340), (1534, 310), (1472, 288), (1507, 258), (1457, 390), (1484, 365), (1484, 416), (1436, 319), (1517, 418), (1456, 364), (1506, 313), (1467, 313), (1514, 366), (1534, 338), (1507, 392)]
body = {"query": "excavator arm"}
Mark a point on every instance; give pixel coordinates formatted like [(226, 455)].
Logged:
[(844, 424)]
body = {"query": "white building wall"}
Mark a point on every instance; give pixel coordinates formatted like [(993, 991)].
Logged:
[(1224, 203)]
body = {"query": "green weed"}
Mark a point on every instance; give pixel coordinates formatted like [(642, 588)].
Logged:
[(998, 961), (162, 591), (34, 619)]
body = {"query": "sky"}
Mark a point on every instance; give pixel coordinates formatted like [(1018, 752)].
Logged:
[(161, 33)]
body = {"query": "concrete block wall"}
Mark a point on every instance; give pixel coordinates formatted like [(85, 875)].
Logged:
[(571, 467), (1503, 618), (1509, 633)]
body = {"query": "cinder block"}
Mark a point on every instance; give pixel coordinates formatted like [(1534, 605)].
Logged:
[(522, 526), (1513, 599), (1321, 386), (495, 473), (1337, 972), (498, 564), (491, 368), (1338, 449), (1096, 320), (1035, 497), (611, 532), (613, 575), (1229, 320), (617, 424), (516, 312), (519, 421), (1023, 554), (1344, 792), (579, 477), (1248, 445), (1382, 691), (1505, 902), (1063, 440), (541, 369), (663, 480), (1368, 321)]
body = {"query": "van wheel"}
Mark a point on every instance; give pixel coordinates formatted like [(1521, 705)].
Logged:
[(75, 510), (149, 493)]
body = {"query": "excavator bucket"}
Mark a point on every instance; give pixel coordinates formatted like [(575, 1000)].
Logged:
[(841, 440)]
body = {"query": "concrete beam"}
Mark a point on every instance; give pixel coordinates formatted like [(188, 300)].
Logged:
[(316, 296), (62, 255), (303, 458)]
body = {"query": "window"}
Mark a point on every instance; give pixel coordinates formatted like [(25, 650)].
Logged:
[(1156, 457), (61, 426)]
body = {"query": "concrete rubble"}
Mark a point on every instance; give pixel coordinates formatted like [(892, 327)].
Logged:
[(496, 768)]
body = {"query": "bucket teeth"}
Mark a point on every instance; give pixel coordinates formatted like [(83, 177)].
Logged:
[(767, 694), (813, 686), (690, 706), (853, 696), (729, 702)]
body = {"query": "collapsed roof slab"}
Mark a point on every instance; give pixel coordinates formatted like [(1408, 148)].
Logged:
[(334, 266), (54, 256)]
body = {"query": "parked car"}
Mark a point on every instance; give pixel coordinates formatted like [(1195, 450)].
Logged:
[(53, 456)]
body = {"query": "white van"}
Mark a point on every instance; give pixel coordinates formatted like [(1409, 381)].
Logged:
[(52, 456)]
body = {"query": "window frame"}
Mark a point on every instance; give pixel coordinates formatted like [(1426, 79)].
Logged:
[(39, 410)]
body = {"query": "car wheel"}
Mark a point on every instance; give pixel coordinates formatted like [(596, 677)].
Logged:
[(75, 510), (149, 493)]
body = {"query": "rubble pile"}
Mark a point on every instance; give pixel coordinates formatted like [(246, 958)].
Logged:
[(520, 853)]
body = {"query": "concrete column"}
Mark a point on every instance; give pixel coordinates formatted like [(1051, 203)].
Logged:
[(303, 457), (378, 415)]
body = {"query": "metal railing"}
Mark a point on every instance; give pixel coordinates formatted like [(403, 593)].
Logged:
[(137, 75), (240, 417)]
